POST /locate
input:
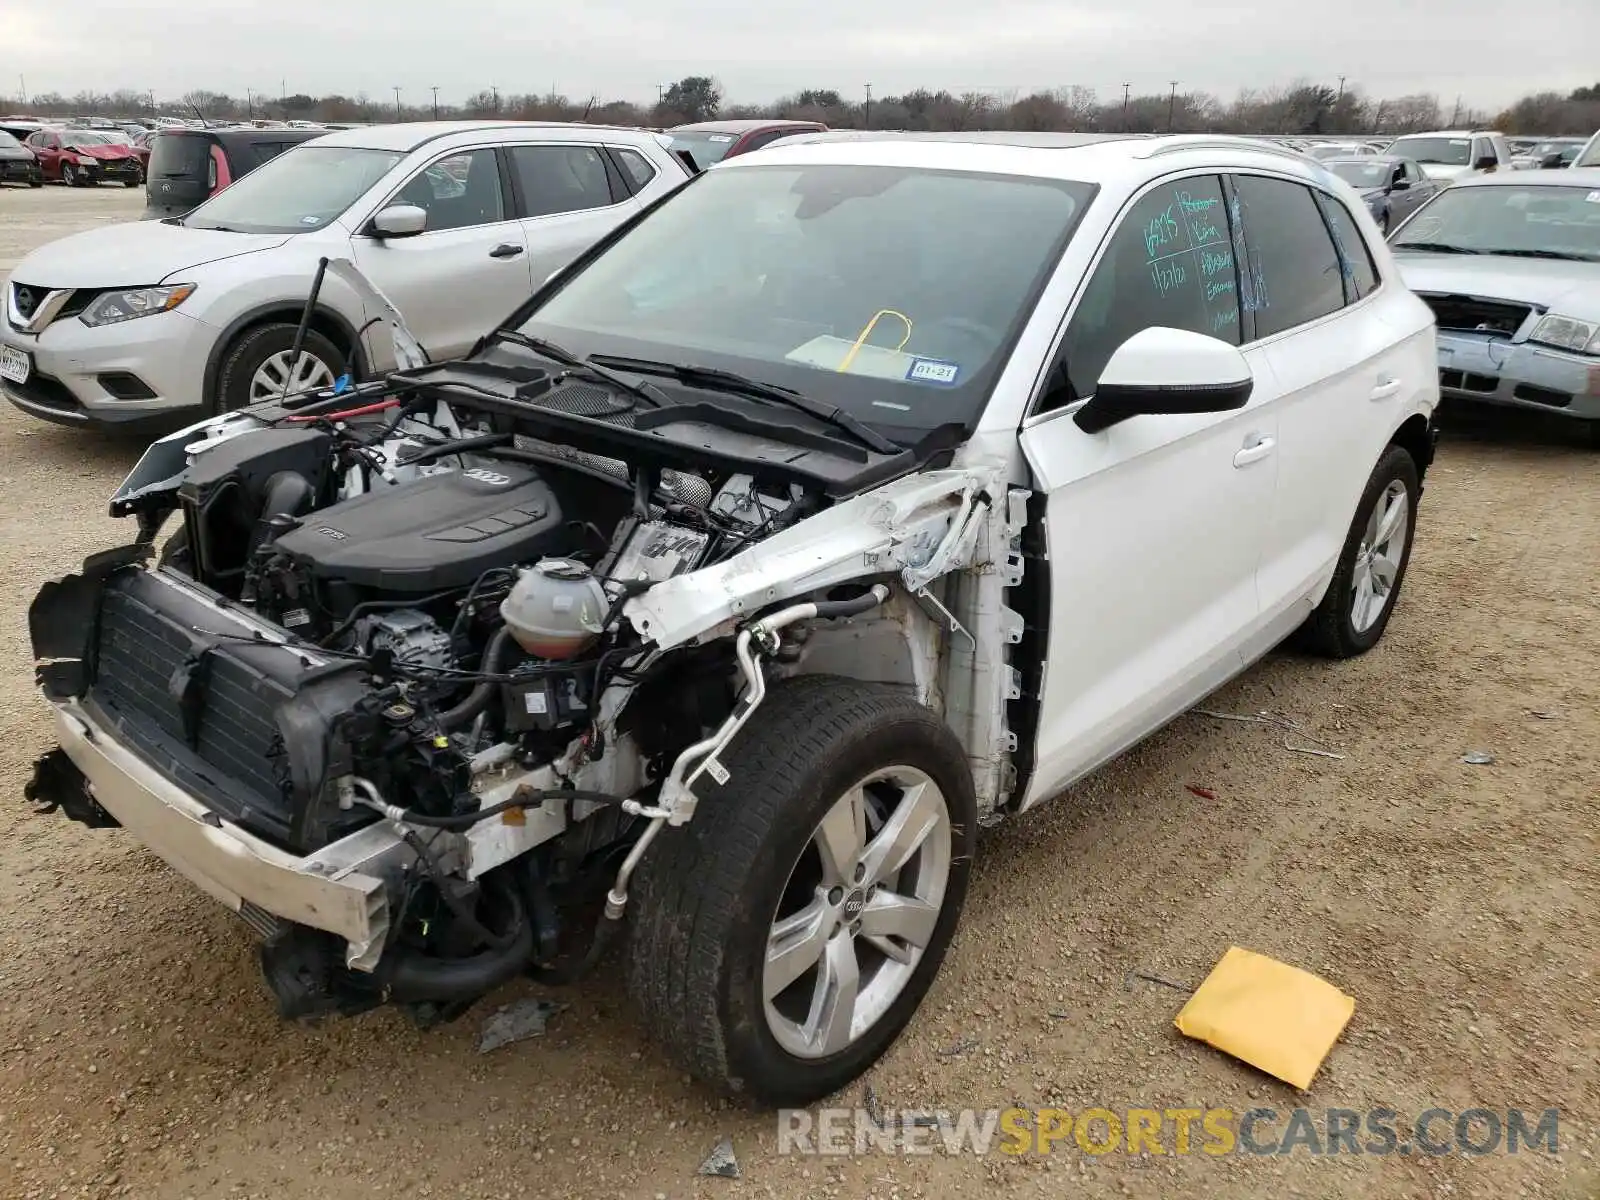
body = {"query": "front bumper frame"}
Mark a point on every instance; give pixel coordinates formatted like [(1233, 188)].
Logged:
[(339, 889)]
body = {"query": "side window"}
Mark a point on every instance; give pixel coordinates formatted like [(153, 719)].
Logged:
[(635, 166), (457, 191), (1169, 262), (1481, 148), (1355, 257), (1294, 274), (560, 179)]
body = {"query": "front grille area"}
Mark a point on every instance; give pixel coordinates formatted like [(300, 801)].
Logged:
[(1469, 314), (46, 393), (1539, 395), (1468, 381), (25, 299), (234, 760)]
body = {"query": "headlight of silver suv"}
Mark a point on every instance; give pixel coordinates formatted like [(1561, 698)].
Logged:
[(1567, 333), (125, 305)]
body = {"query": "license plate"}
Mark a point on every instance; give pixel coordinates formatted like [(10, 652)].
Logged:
[(15, 365)]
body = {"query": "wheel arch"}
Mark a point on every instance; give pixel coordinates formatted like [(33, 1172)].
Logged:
[(1416, 436), (324, 320)]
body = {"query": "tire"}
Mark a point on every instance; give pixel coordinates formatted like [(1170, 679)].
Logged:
[(69, 175), (1333, 629), (707, 893), (254, 348), (35, 183), (132, 183)]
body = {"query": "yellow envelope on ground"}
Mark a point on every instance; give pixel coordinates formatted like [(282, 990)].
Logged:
[(1268, 1014)]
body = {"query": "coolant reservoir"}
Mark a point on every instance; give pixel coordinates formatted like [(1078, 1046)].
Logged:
[(555, 610)]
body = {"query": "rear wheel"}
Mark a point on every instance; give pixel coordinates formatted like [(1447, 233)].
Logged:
[(784, 937), (132, 183), (261, 363), (1366, 583)]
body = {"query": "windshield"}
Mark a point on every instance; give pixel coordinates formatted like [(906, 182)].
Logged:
[(300, 190), (1362, 174), (1545, 220), (87, 139), (892, 292), (1440, 151), (1567, 150), (706, 148)]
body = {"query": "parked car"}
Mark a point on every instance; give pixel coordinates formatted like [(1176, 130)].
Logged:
[(1550, 153), (1454, 154), (84, 158), (198, 313), (192, 165), (21, 130), (856, 495), (709, 142), (1510, 265), (1393, 188), (18, 164), (1330, 150)]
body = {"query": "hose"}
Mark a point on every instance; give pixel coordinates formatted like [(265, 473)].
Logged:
[(413, 977), (369, 795), (478, 699)]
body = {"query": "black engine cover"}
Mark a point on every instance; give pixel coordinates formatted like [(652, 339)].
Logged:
[(431, 534)]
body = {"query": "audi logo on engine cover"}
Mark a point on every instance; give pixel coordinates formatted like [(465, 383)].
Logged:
[(489, 477)]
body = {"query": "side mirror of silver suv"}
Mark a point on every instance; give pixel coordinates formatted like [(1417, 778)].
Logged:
[(397, 221)]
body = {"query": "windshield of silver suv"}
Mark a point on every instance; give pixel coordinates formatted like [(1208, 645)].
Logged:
[(892, 292), (300, 190), (1439, 151)]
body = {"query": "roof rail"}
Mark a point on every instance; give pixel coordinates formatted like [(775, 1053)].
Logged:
[(1174, 143)]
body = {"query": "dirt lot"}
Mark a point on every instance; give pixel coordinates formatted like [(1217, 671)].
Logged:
[(140, 1056)]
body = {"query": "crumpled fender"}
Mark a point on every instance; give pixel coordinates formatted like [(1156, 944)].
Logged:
[(905, 526)]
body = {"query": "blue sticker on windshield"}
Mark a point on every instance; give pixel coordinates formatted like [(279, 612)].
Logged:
[(933, 370)]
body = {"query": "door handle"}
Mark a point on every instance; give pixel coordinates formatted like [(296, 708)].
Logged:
[(1386, 389), (506, 250), (1255, 452)]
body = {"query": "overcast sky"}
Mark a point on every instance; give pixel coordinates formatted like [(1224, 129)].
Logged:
[(624, 48)]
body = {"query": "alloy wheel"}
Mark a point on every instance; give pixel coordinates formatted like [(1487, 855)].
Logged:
[(1383, 544), (859, 909), (268, 383)]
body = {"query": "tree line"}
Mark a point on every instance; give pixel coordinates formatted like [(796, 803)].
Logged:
[(1302, 108)]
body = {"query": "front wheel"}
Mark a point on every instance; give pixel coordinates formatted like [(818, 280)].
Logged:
[(69, 175), (132, 183), (784, 937), (261, 365), (1366, 583)]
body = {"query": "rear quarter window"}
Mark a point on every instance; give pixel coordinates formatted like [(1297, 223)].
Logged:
[(1355, 256)]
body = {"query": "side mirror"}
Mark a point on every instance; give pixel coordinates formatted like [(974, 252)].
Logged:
[(1400, 185), (1551, 160), (1167, 371), (398, 221), (1486, 162)]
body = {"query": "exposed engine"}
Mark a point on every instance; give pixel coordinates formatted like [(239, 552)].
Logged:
[(434, 609)]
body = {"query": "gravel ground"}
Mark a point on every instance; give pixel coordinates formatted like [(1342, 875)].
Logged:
[(140, 1056)]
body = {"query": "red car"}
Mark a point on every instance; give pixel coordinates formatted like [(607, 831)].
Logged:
[(83, 157), (712, 141)]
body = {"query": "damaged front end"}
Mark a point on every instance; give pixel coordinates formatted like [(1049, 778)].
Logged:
[(417, 676)]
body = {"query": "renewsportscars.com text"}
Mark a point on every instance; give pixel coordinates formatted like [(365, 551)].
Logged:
[(1179, 1131)]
